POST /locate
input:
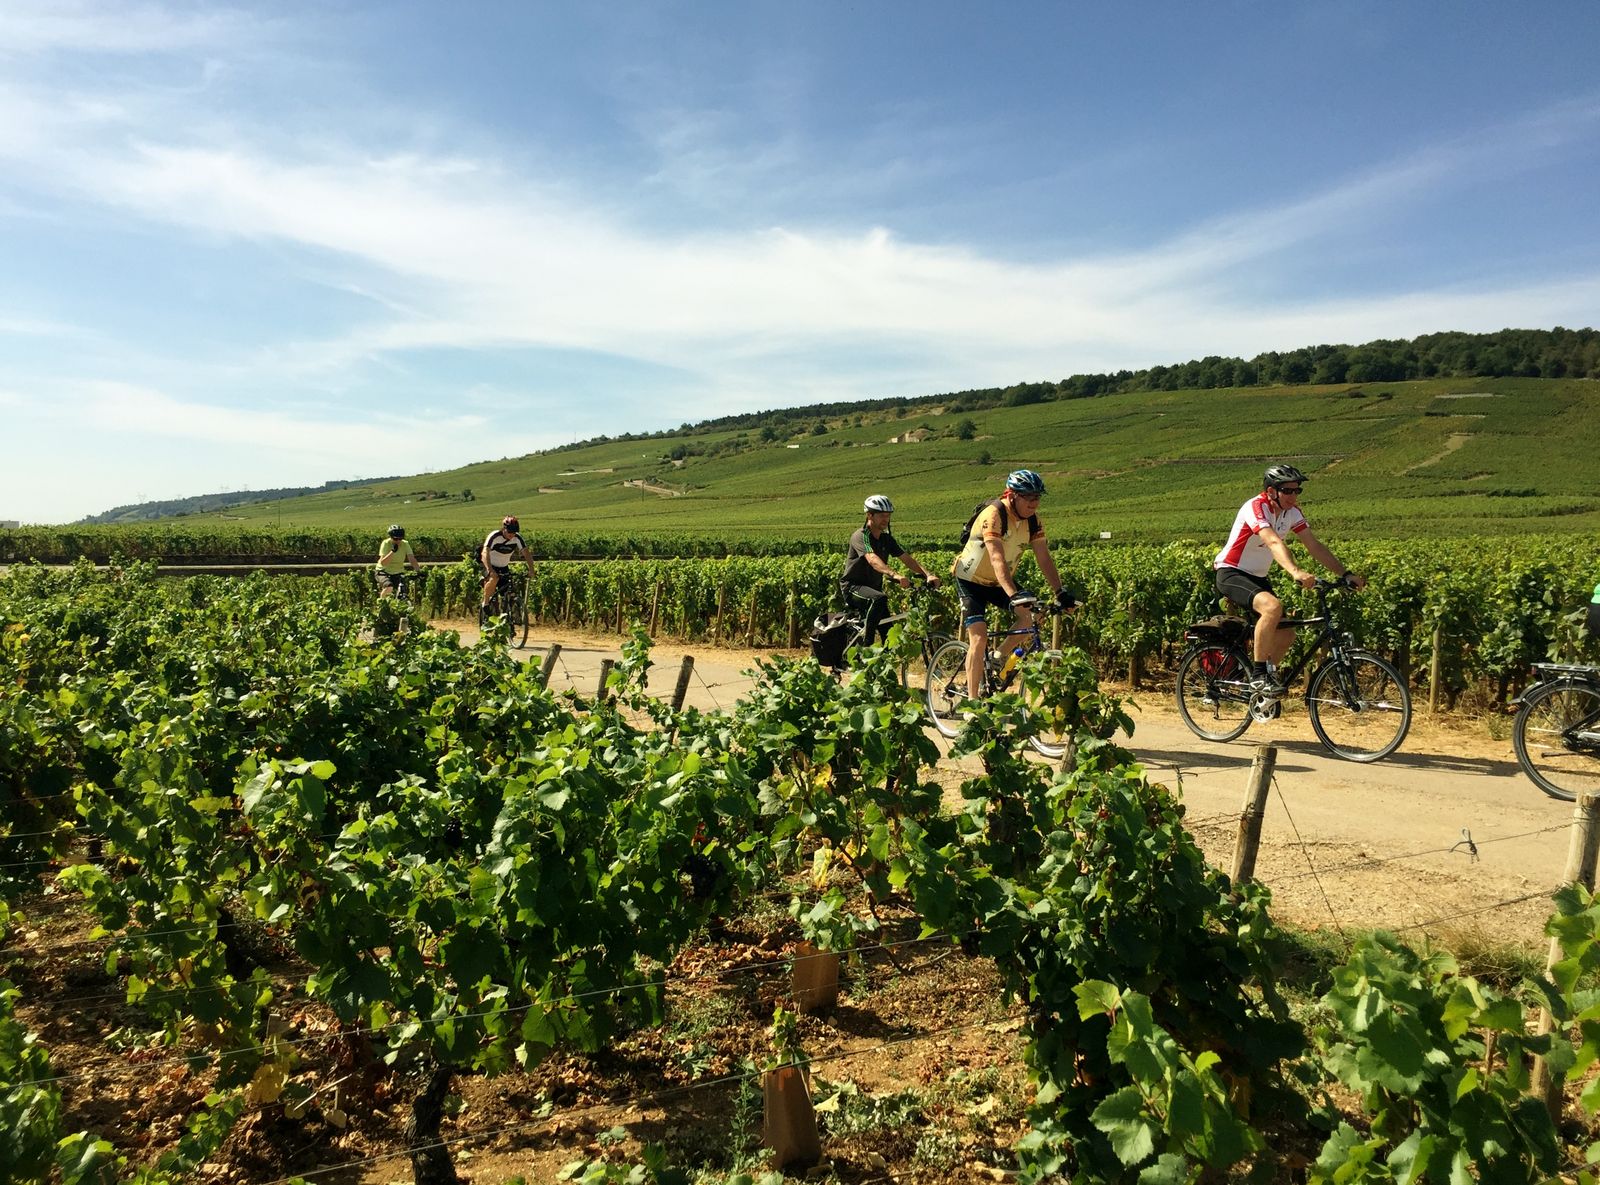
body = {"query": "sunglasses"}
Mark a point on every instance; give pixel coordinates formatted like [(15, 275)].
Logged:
[(1288, 489)]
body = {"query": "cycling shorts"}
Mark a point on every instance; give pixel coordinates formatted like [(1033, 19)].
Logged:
[(1241, 587), (977, 598)]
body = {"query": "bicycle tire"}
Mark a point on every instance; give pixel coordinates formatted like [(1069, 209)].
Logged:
[(1212, 698), (1560, 764), (1359, 706), (947, 687)]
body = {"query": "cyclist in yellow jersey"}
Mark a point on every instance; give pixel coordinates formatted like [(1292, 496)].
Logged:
[(394, 553), (983, 570)]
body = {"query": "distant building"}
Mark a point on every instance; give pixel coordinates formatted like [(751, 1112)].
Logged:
[(910, 436), (9, 522)]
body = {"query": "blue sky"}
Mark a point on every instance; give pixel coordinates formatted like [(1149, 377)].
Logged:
[(268, 245)]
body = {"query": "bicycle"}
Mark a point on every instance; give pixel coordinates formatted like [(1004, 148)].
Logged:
[(1359, 705), (853, 624), (947, 675), (510, 600), (1556, 733), (394, 611)]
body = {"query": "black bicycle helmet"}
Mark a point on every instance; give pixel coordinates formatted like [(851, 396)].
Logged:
[(510, 523), (396, 531), (1281, 475)]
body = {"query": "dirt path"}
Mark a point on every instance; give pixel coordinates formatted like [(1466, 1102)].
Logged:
[(1342, 844)]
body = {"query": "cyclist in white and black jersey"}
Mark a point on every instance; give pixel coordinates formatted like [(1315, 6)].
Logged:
[(1261, 533), (503, 545)]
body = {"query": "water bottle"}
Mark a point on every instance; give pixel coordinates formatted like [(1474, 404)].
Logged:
[(1011, 662)]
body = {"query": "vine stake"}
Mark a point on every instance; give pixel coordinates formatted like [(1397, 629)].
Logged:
[(1546, 1083)]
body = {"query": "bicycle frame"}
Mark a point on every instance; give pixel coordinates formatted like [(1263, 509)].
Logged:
[(1327, 638)]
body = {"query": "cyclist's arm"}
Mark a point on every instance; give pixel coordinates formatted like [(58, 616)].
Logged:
[(411, 558), (1280, 552), (1046, 562), (1319, 552), (916, 567), (997, 561), (884, 569)]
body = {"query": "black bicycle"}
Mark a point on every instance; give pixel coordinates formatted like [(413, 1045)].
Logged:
[(947, 675), (1557, 730), (851, 626), (393, 611), (1359, 705), (510, 601)]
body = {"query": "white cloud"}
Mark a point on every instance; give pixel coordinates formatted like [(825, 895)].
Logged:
[(40, 26)]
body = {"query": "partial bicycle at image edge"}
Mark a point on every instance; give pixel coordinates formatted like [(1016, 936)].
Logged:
[(1556, 732), (1358, 702)]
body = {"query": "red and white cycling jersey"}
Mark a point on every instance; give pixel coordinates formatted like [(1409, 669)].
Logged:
[(1244, 549)]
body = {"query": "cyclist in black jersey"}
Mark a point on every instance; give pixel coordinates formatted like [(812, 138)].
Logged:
[(503, 545)]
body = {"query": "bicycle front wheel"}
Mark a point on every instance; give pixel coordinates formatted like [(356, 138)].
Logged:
[(1213, 690), (1359, 707), (1557, 738), (947, 687), (517, 616)]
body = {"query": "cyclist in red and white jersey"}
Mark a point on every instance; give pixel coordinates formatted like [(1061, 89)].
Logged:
[(1261, 533), (503, 545)]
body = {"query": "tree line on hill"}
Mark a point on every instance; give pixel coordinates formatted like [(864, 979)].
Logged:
[(136, 512), (1510, 353)]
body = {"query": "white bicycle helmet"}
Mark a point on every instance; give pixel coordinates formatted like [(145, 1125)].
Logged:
[(879, 503)]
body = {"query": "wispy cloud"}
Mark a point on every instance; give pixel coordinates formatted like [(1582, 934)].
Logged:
[(462, 251)]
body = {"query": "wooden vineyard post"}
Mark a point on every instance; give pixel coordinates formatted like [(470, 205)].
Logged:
[(1435, 670), (549, 664), (622, 609), (1133, 656), (655, 607), (716, 625), (605, 673), (1581, 848), (566, 614), (682, 689), (815, 985), (794, 623), (789, 1125), (1255, 807), (1055, 632), (750, 624)]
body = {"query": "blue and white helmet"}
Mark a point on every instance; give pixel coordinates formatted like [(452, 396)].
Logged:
[(1025, 481)]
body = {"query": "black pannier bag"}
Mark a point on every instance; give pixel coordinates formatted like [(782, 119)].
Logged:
[(1223, 629), (830, 635)]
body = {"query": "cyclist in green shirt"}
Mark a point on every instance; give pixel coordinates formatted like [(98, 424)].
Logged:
[(394, 553)]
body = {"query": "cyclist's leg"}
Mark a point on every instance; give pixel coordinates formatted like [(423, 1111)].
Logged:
[(491, 582), (873, 607), (1271, 643), (975, 600), (385, 584)]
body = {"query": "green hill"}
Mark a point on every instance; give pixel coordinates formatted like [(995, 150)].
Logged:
[(1448, 456)]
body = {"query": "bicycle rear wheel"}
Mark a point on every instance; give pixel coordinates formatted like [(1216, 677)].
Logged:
[(1557, 738), (1213, 692), (947, 687), (1359, 707)]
